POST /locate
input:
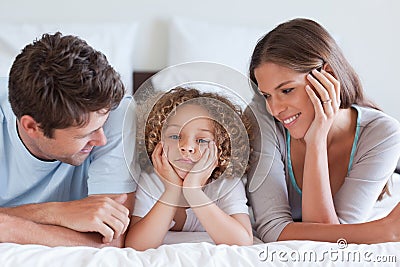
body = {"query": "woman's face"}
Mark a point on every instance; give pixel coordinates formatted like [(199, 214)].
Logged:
[(286, 97)]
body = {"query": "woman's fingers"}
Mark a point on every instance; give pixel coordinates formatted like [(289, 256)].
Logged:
[(315, 101), (336, 84), (328, 89)]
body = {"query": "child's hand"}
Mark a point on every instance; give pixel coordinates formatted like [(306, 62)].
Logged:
[(163, 168), (202, 170)]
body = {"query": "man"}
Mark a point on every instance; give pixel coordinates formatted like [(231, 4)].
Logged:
[(64, 179)]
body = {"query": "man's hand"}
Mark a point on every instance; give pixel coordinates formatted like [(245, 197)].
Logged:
[(103, 214)]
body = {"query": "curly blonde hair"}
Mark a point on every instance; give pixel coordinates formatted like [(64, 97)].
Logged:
[(232, 160)]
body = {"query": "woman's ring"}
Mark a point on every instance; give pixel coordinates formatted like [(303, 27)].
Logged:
[(327, 101)]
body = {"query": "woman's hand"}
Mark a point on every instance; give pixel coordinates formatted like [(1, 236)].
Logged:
[(326, 106), (164, 169), (202, 170)]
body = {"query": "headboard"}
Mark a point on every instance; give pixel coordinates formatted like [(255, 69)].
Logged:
[(139, 77)]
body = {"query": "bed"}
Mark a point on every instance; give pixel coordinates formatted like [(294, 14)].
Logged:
[(196, 249), (193, 249)]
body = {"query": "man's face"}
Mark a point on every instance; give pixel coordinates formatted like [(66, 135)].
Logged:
[(72, 145)]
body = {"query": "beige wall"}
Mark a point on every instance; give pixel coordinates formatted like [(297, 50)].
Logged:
[(367, 30)]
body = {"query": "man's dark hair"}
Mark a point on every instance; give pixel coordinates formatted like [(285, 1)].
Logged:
[(59, 80)]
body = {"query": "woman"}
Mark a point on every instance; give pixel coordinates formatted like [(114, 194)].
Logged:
[(333, 151)]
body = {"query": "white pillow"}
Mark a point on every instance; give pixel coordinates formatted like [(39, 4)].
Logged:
[(191, 40), (115, 40), (204, 76), (214, 53)]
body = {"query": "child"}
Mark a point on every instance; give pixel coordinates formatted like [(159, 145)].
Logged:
[(199, 148)]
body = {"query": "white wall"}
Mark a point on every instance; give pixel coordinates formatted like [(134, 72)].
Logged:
[(366, 30)]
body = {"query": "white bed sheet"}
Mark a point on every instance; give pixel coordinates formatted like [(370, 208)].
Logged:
[(198, 251)]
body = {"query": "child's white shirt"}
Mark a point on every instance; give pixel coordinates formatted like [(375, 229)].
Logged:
[(228, 194)]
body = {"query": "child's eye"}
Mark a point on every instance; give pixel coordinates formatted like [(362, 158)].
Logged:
[(174, 137), (287, 91), (203, 141)]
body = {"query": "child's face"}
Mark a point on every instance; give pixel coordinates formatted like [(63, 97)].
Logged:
[(186, 135)]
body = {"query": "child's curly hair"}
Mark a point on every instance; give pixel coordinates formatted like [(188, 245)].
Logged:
[(232, 160)]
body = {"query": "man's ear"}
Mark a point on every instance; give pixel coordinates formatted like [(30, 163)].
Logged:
[(30, 126)]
